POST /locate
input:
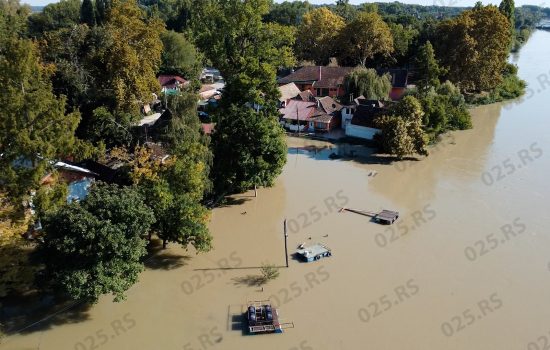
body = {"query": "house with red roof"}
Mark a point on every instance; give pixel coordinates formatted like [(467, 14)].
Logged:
[(319, 115), (329, 81), (171, 83)]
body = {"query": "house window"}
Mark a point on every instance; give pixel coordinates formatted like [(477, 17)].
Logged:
[(320, 125), (321, 92)]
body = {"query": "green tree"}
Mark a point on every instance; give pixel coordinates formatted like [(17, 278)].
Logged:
[(403, 39), (402, 132), (13, 18), (246, 50), (63, 14), (367, 82), (474, 46), (179, 56), (288, 13), (102, 8), (34, 125), (364, 37), (87, 13), (132, 56), (345, 10), (68, 49), (249, 149), (318, 33), (507, 8), (428, 68), (96, 247)]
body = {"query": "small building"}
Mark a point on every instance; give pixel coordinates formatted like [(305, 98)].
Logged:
[(171, 83), (77, 178), (296, 114), (361, 124), (319, 115)]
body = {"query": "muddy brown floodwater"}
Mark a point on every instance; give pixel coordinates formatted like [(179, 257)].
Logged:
[(467, 265)]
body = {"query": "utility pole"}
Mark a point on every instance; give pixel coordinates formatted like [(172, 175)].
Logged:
[(286, 245)]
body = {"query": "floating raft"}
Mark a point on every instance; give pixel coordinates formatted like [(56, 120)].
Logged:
[(263, 318), (386, 217)]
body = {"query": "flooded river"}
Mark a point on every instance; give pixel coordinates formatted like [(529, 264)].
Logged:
[(467, 265)]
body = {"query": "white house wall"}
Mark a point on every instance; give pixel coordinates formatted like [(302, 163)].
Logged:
[(361, 132)]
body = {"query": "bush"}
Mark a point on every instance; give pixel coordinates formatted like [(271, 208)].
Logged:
[(269, 272)]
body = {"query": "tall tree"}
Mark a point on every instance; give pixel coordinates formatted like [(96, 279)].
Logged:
[(101, 9), (345, 10), (246, 50), (402, 132), (367, 82), (132, 56), (364, 37), (428, 69), (318, 33), (507, 8), (179, 56), (87, 13), (34, 125), (474, 46), (114, 219), (249, 149)]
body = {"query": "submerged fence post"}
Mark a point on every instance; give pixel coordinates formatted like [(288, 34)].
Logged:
[(286, 246)]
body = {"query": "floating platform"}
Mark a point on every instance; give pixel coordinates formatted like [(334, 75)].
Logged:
[(263, 318), (314, 252), (386, 217)]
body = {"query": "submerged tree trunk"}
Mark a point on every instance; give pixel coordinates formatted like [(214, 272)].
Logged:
[(164, 243)]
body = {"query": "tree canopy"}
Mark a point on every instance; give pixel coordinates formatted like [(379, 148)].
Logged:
[(366, 36), (319, 31), (249, 149), (96, 247), (179, 56), (34, 125), (402, 132), (474, 47), (367, 82)]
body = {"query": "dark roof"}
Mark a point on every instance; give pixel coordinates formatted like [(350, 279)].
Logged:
[(399, 76), (366, 114), (321, 76)]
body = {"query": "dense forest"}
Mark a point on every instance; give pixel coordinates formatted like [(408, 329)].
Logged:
[(75, 78)]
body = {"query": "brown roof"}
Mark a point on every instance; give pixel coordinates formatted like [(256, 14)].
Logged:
[(320, 76), (288, 91), (306, 96), (296, 109), (324, 118), (329, 104)]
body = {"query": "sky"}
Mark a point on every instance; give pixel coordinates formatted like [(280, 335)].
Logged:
[(545, 3)]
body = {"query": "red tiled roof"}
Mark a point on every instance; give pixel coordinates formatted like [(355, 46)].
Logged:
[(169, 81), (300, 110), (207, 128)]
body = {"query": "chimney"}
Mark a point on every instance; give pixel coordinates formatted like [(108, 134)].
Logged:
[(320, 68)]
